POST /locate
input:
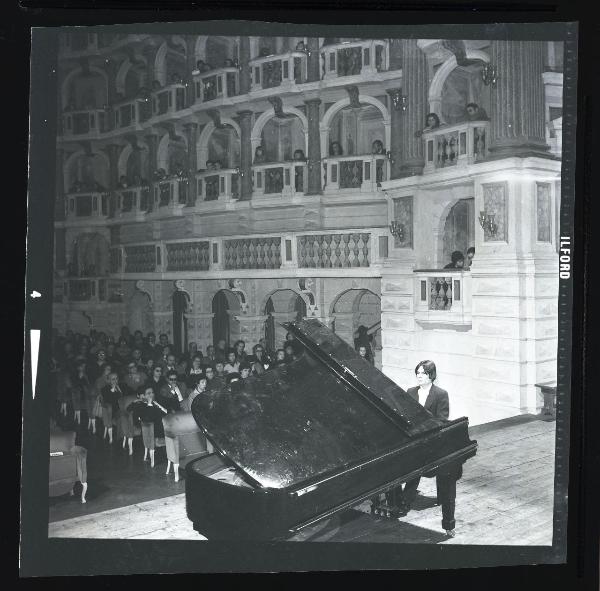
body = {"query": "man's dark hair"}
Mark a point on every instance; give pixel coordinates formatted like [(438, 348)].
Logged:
[(474, 105), (428, 367), (471, 249), (457, 256), (172, 374), (243, 366)]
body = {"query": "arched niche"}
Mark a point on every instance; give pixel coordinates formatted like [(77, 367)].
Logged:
[(134, 162), (439, 92), (225, 306), (169, 64), (130, 79), (90, 255), (458, 231), (282, 305), (280, 136), (140, 315), (84, 90), (222, 145), (171, 153), (89, 170), (215, 49), (356, 128), (364, 100)]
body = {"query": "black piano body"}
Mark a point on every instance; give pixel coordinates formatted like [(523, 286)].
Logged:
[(306, 440)]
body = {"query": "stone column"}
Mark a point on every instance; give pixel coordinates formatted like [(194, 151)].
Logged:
[(395, 54), (190, 65), (150, 55), (395, 132), (246, 154), (251, 329), (112, 151), (191, 132), (244, 65), (414, 87), (314, 147), (59, 203), (314, 60), (517, 126), (152, 143), (112, 67)]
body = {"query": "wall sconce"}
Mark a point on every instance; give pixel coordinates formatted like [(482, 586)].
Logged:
[(404, 102), (397, 230), (487, 223), (488, 75)]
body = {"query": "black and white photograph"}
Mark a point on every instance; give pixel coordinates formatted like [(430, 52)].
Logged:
[(305, 289)]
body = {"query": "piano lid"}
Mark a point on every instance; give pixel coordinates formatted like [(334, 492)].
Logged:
[(304, 419)]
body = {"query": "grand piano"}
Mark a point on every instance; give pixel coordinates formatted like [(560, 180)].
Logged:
[(309, 439)]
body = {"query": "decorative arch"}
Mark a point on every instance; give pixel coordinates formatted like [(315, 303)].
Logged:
[(69, 161), (336, 107), (352, 300), (296, 293), (204, 137), (160, 65), (259, 124), (64, 92), (440, 224), (162, 153), (91, 248), (179, 40), (437, 83), (123, 158), (124, 68)]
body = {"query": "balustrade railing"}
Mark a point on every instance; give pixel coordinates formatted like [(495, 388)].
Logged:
[(451, 145), (133, 200), (216, 84), (168, 99), (276, 70), (252, 253), (171, 192), (334, 251), (85, 122), (443, 296), (356, 172), (354, 58), (86, 205), (222, 185), (92, 289), (141, 258), (188, 256), (279, 178)]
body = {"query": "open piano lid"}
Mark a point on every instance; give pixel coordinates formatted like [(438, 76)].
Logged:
[(325, 411)]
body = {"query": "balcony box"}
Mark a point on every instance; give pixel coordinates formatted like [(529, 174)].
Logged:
[(288, 179), (85, 122), (362, 173), (460, 144), (87, 205), (218, 185), (282, 70), (355, 58), (133, 202), (216, 84), (168, 100)]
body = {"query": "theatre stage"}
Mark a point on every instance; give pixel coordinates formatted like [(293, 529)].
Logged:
[(505, 497)]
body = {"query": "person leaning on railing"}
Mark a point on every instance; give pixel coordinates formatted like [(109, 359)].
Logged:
[(432, 121)]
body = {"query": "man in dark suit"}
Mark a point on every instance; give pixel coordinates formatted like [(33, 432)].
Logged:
[(173, 393), (436, 401)]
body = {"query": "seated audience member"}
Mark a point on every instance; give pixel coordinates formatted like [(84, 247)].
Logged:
[(290, 354), (335, 149), (195, 372), (210, 357), (247, 379), (476, 113), (268, 353), (111, 356), (192, 352), (123, 351), (458, 260), (213, 382), (198, 389), (156, 380), (299, 156), (136, 357), (173, 393), (432, 121), (258, 362), (220, 370), (169, 364), (470, 256), (109, 395), (221, 351), (149, 349), (279, 358), (149, 366), (80, 386), (95, 399), (377, 147), (290, 339), (163, 341), (232, 364), (364, 353), (240, 350), (134, 379)]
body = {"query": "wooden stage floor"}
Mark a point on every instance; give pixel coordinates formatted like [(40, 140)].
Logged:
[(504, 498)]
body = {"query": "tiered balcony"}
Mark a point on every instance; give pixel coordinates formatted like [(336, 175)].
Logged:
[(85, 122), (218, 185), (216, 84), (287, 179), (128, 114), (364, 173), (283, 69), (133, 202), (88, 289), (355, 58), (443, 297), (171, 193), (456, 145), (87, 205), (318, 253), (168, 100)]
